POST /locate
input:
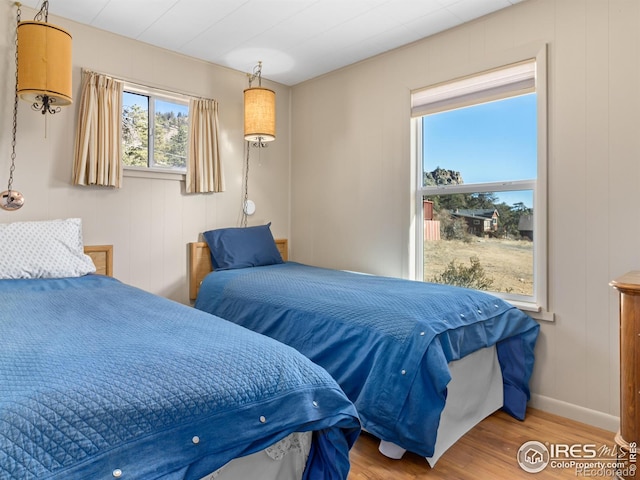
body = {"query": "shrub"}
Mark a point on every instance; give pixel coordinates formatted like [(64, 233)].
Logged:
[(460, 275), (453, 228)]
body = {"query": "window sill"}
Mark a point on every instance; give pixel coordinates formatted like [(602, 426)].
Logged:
[(534, 311), (153, 174)]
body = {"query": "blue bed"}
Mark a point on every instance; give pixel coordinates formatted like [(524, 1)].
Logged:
[(387, 341), (100, 380)]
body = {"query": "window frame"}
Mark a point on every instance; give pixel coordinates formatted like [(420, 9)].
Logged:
[(536, 305), (152, 171)]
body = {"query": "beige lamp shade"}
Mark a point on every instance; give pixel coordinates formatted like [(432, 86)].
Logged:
[(44, 62), (259, 114)]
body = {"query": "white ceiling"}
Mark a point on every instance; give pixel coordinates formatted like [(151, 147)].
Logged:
[(295, 39)]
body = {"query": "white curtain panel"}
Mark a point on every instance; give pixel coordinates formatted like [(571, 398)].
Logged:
[(204, 168), (98, 152)]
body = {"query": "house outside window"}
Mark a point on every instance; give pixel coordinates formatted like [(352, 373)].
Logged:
[(154, 130), (480, 144)]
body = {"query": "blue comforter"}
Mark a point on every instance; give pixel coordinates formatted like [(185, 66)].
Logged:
[(97, 376), (386, 341)]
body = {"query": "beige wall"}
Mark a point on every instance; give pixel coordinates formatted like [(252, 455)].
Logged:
[(149, 221), (351, 174)]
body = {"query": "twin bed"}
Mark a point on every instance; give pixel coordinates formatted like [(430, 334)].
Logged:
[(423, 363), (102, 380)]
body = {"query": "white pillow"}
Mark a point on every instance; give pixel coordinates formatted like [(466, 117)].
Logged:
[(47, 249)]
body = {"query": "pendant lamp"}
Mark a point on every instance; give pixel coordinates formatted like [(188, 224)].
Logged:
[(259, 128), (44, 63), (259, 111), (42, 76)]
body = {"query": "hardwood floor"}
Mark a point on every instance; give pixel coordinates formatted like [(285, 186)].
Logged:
[(488, 451)]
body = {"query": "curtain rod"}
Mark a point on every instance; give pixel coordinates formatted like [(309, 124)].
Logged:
[(134, 83)]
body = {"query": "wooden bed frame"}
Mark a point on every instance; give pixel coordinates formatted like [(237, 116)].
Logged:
[(102, 256), (200, 263)]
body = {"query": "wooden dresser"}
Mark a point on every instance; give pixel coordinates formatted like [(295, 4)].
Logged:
[(627, 438)]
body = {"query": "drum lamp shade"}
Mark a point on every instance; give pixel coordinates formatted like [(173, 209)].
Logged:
[(44, 63), (259, 114)]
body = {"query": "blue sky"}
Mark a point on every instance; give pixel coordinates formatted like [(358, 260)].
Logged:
[(495, 141), (129, 99)]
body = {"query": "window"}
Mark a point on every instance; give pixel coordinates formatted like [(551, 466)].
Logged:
[(480, 149), (154, 130)]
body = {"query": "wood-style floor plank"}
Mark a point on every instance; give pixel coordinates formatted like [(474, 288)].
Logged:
[(488, 451)]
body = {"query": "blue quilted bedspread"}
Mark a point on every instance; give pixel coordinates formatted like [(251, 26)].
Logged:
[(386, 341), (99, 378)]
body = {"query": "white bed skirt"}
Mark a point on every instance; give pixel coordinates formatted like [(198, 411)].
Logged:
[(285, 460), (474, 392)]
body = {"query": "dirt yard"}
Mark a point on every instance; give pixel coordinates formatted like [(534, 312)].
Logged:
[(508, 262)]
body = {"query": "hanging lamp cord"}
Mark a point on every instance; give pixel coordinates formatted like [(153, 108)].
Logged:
[(246, 187), (15, 115)]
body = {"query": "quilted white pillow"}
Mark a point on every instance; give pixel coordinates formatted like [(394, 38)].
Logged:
[(46, 249)]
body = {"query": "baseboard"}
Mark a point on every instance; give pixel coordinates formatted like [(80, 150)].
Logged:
[(575, 412)]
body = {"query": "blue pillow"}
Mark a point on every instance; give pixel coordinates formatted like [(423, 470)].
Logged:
[(242, 247)]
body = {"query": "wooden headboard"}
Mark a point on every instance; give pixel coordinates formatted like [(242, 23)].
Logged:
[(102, 256), (200, 263)]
